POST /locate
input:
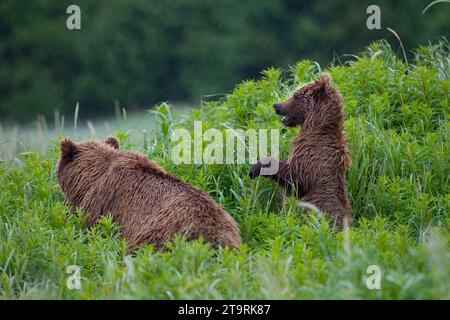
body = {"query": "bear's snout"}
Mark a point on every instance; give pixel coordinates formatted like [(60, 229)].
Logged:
[(276, 107)]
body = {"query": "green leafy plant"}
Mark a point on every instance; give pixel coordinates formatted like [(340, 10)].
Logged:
[(398, 131)]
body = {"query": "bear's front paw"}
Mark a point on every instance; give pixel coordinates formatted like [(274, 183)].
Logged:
[(254, 171)]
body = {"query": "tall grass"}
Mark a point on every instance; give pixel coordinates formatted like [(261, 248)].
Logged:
[(38, 135), (398, 131)]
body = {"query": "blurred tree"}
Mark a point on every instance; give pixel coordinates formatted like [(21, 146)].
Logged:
[(141, 52)]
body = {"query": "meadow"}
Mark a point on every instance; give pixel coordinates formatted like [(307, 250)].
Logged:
[(397, 125)]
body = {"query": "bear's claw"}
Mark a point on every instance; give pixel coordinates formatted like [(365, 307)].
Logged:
[(254, 171)]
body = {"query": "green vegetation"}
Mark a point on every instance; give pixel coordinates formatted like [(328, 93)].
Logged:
[(398, 130), (141, 52), (38, 135)]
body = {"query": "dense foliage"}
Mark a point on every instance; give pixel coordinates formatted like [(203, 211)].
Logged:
[(398, 130), (142, 52)]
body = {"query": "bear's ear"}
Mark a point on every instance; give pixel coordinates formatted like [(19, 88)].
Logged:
[(113, 142), (68, 148), (323, 81)]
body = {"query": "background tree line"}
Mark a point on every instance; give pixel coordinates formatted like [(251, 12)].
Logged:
[(141, 52)]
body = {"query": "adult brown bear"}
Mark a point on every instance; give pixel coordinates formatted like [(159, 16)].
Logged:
[(150, 205), (319, 157)]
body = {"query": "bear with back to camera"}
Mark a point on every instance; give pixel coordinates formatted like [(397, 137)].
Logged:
[(316, 167), (149, 204)]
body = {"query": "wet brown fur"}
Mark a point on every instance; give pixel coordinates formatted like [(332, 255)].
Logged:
[(319, 157), (150, 205)]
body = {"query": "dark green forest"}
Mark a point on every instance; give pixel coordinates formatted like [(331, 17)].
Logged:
[(137, 53)]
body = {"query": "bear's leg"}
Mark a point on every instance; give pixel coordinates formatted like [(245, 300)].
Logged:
[(275, 170)]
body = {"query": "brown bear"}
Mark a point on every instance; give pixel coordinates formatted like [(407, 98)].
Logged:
[(149, 204), (316, 166)]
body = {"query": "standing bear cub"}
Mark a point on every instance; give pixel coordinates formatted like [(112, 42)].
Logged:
[(150, 205), (319, 157)]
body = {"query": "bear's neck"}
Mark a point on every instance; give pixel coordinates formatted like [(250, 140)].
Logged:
[(326, 118)]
